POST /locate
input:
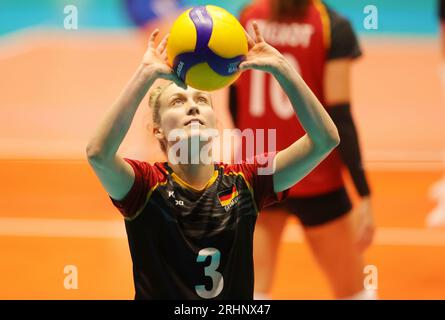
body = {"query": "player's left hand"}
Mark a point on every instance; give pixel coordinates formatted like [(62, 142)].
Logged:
[(366, 226), (261, 55)]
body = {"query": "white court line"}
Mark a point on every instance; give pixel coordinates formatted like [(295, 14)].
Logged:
[(64, 228), (104, 229), (405, 160), (385, 236)]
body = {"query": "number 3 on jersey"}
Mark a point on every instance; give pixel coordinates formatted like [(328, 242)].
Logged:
[(210, 271), (278, 99)]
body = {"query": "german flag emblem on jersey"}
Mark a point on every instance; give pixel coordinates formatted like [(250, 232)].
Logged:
[(227, 196)]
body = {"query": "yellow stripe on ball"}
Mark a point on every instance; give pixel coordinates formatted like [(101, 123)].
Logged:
[(226, 26)]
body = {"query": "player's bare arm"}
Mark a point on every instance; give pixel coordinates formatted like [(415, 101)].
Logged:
[(115, 174), (296, 161)]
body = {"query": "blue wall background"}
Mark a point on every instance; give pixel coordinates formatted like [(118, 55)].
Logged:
[(396, 17)]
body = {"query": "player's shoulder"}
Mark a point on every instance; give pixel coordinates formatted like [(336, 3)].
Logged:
[(344, 42), (148, 170), (337, 20)]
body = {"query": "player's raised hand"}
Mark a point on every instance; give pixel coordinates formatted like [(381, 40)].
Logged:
[(261, 55), (155, 60)]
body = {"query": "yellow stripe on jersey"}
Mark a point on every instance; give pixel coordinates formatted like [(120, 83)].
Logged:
[(187, 185), (325, 21)]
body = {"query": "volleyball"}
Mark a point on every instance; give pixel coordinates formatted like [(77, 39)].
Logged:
[(206, 46)]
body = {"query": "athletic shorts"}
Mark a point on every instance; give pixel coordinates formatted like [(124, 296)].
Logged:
[(319, 209)]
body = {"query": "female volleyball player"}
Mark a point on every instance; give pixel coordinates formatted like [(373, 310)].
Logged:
[(323, 45), (190, 226)]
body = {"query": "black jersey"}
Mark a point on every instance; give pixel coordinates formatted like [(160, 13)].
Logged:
[(192, 244)]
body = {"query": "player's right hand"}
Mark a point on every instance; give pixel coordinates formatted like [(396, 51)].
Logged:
[(155, 60)]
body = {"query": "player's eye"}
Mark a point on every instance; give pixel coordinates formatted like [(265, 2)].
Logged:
[(176, 101), (202, 100)]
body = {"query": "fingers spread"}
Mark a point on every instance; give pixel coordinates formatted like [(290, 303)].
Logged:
[(258, 35), (163, 45), (151, 41), (250, 42), (164, 55)]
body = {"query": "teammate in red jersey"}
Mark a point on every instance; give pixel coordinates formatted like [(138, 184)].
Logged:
[(321, 45), (190, 223)]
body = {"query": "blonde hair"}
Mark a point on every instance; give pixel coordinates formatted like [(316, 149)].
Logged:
[(155, 105)]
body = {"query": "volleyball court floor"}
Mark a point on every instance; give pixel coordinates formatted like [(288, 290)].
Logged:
[(55, 213)]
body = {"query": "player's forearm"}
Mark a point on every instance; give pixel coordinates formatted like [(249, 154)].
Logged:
[(349, 148), (114, 126), (312, 115)]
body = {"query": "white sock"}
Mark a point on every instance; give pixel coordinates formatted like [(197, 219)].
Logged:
[(365, 294), (261, 296)]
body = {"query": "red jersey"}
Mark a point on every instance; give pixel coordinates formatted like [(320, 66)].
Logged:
[(262, 104)]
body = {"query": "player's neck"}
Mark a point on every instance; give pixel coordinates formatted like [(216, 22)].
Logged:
[(196, 175)]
